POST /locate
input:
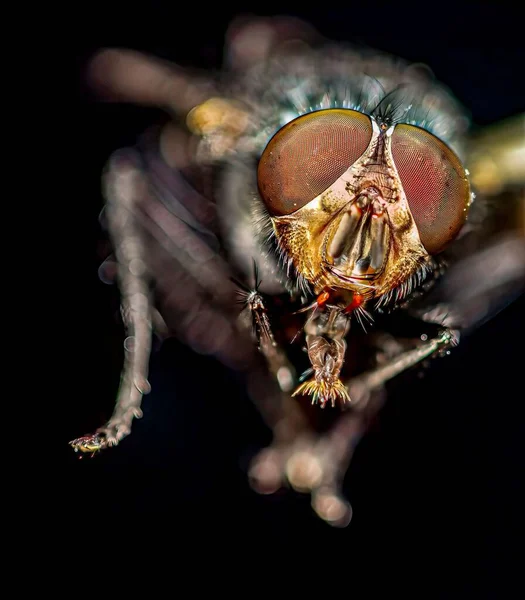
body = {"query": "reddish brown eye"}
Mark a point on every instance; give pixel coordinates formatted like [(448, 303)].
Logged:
[(435, 184), (308, 155)]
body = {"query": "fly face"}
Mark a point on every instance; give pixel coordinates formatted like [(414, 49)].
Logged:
[(358, 205)]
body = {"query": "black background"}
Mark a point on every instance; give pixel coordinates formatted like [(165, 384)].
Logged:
[(435, 485)]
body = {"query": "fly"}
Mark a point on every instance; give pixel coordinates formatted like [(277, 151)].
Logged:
[(351, 205)]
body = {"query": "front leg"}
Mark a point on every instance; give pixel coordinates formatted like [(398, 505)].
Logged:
[(320, 469), (123, 185), (316, 464), (363, 385)]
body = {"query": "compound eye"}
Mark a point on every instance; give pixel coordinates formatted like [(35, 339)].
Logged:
[(308, 155), (435, 185)]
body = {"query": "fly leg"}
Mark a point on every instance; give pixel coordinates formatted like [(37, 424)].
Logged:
[(123, 185), (286, 420), (363, 385), (318, 466), (306, 459)]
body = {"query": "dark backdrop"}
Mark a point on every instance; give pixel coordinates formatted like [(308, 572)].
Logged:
[(436, 483)]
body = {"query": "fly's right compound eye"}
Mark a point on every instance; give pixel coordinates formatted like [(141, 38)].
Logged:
[(435, 184), (308, 155)]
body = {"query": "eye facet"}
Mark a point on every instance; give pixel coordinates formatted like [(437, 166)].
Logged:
[(435, 185), (308, 155)]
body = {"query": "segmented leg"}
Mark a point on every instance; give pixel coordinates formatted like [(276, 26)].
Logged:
[(361, 386), (320, 470), (123, 186), (317, 464)]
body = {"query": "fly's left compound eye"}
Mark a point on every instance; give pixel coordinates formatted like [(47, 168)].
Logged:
[(308, 155), (435, 185)]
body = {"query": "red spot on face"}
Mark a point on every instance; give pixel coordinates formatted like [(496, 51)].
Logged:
[(357, 300), (322, 299)]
